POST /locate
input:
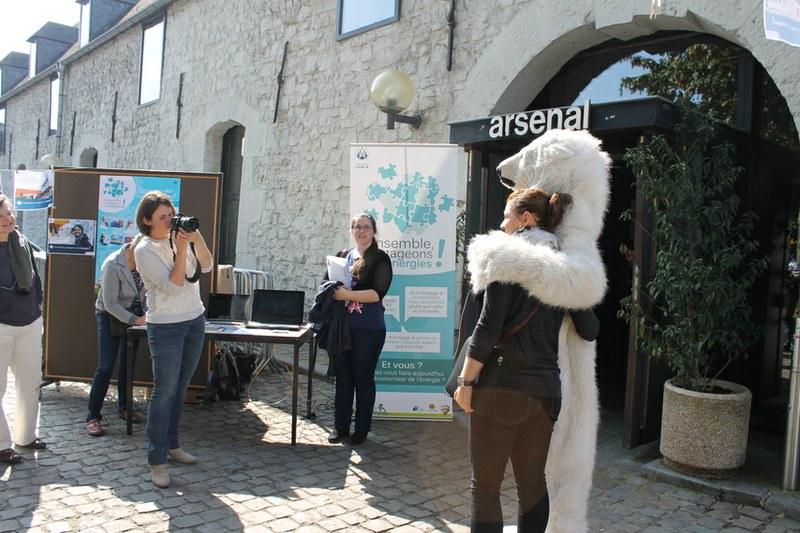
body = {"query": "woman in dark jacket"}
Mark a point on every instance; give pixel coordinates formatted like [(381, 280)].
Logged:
[(369, 270), (519, 423), (81, 239), (122, 296)]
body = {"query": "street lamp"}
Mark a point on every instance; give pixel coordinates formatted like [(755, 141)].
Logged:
[(393, 92)]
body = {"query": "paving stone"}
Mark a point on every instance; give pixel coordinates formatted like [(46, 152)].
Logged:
[(409, 477)]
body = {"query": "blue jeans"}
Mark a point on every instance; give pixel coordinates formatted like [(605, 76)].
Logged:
[(518, 428), (355, 377), (109, 349), (175, 350)]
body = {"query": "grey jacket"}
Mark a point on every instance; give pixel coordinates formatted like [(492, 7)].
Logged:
[(117, 288)]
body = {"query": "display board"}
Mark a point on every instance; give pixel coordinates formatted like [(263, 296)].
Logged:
[(70, 335)]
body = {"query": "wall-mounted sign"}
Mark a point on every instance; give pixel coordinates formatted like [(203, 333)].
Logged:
[(33, 189), (782, 21), (539, 121)]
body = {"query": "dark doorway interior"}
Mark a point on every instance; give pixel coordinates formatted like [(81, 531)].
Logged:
[(231, 168), (629, 382)]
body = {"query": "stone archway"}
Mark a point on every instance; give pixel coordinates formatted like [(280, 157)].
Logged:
[(88, 158), (532, 48)]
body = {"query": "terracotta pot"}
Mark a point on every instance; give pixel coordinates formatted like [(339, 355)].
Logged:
[(705, 434)]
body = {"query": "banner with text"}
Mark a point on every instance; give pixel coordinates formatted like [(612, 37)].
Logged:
[(116, 210), (410, 190)]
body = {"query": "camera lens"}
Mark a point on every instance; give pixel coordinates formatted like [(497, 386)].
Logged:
[(185, 223)]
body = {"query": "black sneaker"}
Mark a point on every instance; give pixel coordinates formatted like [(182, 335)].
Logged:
[(358, 438), (338, 435)]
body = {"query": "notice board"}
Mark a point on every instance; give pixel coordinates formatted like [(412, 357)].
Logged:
[(70, 332)]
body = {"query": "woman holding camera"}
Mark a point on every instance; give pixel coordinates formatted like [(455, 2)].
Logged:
[(175, 323), (121, 298)]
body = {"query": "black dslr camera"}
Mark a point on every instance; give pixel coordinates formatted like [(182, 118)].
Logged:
[(185, 223)]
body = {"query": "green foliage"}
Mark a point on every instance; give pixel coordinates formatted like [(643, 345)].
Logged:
[(698, 295), (461, 233), (708, 75)]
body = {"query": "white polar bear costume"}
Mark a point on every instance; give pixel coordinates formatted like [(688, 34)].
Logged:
[(571, 162)]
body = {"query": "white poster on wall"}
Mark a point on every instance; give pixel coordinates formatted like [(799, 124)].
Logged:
[(782, 21), (33, 189), (410, 190)]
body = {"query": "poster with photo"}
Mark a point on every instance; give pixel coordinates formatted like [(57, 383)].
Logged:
[(72, 236), (116, 211), (33, 189)]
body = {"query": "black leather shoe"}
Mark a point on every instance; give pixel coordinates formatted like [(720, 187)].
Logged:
[(358, 438), (338, 435), (36, 444), (10, 457)]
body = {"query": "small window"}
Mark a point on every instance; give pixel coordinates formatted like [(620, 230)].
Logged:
[(86, 10), (152, 62), (55, 84), (357, 16), (32, 61), (2, 130)]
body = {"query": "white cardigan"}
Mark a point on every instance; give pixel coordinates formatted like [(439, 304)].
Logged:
[(167, 303)]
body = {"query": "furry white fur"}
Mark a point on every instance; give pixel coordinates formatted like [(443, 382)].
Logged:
[(573, 278)]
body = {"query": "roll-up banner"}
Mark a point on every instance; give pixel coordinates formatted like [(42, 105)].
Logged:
[(410, 190)]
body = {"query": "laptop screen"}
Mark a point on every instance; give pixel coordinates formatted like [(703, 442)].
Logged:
[(278, 307), (227, 307)]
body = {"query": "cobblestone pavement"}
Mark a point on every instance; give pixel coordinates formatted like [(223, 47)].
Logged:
[(409, 476)]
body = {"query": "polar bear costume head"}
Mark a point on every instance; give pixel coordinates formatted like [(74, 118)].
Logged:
[(565, 161)]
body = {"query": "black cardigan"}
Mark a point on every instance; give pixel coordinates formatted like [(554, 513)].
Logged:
[(533, 351)]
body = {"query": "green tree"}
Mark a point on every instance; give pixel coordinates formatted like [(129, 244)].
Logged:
[(694, 311), (707, 74)]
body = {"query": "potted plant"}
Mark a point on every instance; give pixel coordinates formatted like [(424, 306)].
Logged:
[(694, 311)]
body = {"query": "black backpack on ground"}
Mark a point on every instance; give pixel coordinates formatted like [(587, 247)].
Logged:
[(223, 381)]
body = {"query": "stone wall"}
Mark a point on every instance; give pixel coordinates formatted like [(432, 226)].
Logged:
[(295, 190)]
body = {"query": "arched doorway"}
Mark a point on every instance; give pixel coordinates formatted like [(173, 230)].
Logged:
[(231, 168), (88, 158), (766, 142)]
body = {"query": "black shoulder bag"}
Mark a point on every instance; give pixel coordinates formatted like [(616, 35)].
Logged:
[(493, 372)]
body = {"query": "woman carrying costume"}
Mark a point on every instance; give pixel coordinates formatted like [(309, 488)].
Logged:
[(175, 323), (20, 335), (369, 273), (519, 423), (121, 296)]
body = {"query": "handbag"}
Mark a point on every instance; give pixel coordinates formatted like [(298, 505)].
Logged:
[(493, 372), (118, 327)]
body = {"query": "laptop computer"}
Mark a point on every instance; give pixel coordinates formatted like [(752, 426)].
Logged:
[(277, 309), (227, 308)]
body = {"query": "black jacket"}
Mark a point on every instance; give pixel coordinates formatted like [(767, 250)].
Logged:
[(329, 320), (533, 351)]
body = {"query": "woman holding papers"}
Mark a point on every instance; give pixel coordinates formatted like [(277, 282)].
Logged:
[(368, 275), (170, 259)]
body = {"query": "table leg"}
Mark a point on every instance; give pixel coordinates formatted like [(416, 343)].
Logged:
[(131, 361), (295, 387), (312, 363)]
